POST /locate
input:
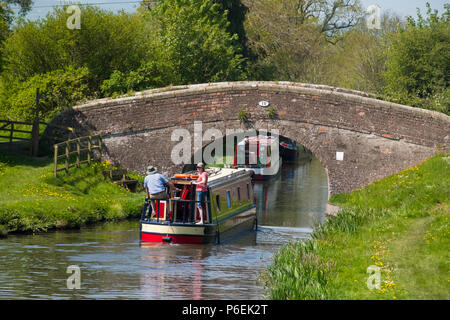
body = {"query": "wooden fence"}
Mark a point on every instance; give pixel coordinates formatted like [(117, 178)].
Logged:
[(13, 128), (75, 150)]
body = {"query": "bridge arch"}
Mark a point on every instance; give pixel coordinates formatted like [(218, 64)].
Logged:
[(256, 127), (357, 138)]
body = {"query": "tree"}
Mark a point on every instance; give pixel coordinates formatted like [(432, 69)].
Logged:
[(6, 19), (236, 12), (418, 61), (191, 37), (290, 35), (25, 5), (358, 61), (105, 42)]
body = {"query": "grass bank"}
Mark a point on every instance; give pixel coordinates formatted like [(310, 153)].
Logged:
[(32, 200), (398, 225)]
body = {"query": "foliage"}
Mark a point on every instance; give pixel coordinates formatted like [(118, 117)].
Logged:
[(101, 45), (271, 112), (243, 115), (67, 65), (178, 42), (149, 75), (190, 36), (290, 36), (189, 44), (236, 12), (418, 62), (357, 61), (25, 5), (5, 22), (59, 90), (7, 15)]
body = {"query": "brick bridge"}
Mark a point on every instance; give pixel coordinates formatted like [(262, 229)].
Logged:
[(377, 138)]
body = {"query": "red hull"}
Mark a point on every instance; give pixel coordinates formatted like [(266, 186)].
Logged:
[(181, 239)]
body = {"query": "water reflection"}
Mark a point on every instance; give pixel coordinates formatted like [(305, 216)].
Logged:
[(295, 199), (114, 265)]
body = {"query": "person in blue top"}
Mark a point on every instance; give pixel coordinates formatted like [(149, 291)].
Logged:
[(155, 186)]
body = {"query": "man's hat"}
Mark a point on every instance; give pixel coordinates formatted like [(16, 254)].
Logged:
[(200, 165), (150, 170)]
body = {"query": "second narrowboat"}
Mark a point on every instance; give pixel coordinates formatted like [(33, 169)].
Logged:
[(260, 154)]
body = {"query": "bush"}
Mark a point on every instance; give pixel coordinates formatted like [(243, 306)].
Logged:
[(418, 62), (59, 90), (149, 75), (106, 42)]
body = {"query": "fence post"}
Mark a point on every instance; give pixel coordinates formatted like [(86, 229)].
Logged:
[(55, 160), (100, 142), (67, 157), (11, 135), (89, 150), (35, 129), (78, 152)]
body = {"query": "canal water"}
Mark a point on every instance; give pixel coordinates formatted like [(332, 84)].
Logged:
[(114, 265)]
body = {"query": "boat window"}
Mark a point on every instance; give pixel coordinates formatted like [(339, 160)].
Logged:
[(218, 202), (248, 191), (229, 199), (240, 155), (239, 194), (262, 155)]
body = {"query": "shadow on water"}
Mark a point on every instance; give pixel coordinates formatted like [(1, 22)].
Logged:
[(114, 265)]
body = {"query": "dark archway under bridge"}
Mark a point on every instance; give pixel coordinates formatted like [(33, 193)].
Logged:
[(357, 139)]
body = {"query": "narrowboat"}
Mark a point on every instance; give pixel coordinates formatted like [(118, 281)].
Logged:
[(288, 150), (229, 209), (260, 154)]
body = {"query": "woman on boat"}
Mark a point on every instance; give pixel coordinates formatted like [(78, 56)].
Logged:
[(201, 189)]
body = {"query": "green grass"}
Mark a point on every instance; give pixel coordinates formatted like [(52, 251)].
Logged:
[(399, 224), (32, 200)]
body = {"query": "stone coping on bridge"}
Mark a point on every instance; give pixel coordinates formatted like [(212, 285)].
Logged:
[(274, 86)]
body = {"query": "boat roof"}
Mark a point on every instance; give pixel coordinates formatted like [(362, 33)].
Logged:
[(224, 175), (217, 175), (265, 141)]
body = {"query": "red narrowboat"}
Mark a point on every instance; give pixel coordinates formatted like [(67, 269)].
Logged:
[(260, 154), (228, 209)]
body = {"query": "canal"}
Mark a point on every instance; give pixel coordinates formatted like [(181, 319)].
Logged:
[(114, 265)]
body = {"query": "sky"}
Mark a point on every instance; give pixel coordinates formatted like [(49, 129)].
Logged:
[(401, 7), (406, 7)]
